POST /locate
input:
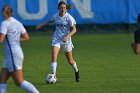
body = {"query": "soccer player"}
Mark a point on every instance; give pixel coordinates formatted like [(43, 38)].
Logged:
[(136, 44), (11, 33), (64, 22)]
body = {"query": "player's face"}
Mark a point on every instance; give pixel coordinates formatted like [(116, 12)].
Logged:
[(62, 9), (4, 12)]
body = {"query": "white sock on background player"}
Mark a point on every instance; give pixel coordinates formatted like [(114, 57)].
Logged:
[(75, 67)]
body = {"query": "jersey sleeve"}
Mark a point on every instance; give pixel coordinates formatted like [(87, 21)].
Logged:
[(3, 28), (71, 20), (23, 30)]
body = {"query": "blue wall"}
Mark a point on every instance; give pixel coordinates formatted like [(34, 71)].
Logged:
[(33, 12)]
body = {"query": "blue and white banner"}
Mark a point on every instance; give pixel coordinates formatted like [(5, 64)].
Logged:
[(33, 12)]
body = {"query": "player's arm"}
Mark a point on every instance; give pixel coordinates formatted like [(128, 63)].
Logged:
[(71, 33), (136, 48), (44, 24), (24, 37), (3, 31), (2, 37)]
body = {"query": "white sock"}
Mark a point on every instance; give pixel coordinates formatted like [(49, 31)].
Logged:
[(75, 67), (3, 88), (28, 87), (53, 67)]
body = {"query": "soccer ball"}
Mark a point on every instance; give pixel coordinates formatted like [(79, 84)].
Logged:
[(51, 79)]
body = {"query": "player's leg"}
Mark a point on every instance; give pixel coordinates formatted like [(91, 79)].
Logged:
[(4, 76), (55, 51), (73, 64), (19, 81), (71, 60), (67, 46), (17, 76)]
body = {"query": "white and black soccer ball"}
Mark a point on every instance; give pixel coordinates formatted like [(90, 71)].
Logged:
[(51, 78)]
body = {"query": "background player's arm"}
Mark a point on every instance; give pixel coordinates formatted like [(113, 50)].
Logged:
[(136, 48), (71, 33), (24, 37), (2, 36), (44, 24)]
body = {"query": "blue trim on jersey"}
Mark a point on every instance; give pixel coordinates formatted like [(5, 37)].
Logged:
[(11, 54)]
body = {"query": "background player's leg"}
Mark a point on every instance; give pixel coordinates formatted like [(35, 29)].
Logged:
[(73, 63)]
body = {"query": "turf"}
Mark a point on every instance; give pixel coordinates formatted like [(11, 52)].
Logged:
[(106, 61)]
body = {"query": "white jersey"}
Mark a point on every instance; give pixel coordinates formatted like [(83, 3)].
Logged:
[(12, 29), (62, 28)]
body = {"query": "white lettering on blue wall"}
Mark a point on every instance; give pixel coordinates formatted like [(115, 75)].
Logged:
[(84, 8), (43, 10)]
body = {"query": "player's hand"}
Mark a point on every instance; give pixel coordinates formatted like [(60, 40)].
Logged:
[(65, 39), (38, 26)]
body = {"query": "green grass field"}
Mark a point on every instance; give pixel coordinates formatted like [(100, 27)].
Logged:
[(106, 62)]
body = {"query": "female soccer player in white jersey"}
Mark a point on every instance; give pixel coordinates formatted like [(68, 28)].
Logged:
[(11, 33), (62, 36)]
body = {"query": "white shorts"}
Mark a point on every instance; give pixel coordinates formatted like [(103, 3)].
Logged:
[(13, 63), (66, 46)]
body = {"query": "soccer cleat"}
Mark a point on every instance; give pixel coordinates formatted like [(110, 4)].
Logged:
[(77, 76)]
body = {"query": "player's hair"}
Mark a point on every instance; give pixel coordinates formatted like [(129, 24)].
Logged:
[(138, 18), (68, 6), (7, 11)]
